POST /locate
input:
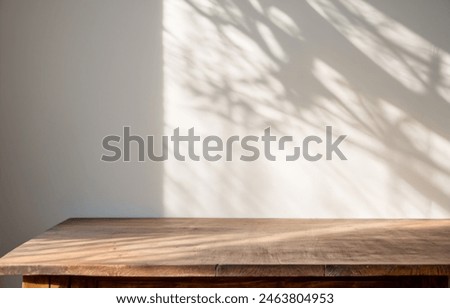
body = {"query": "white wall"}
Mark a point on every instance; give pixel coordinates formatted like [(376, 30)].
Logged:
[(377, 71), (74, 71)]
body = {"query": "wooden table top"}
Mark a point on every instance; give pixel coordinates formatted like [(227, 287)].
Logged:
[(163, 247)]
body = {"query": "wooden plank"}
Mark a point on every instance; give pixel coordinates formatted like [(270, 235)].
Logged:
[(386, 270), (275, 282), (251, 270), (168, 247), (35, 282), (84, 282), (59, 282), (233, 282)]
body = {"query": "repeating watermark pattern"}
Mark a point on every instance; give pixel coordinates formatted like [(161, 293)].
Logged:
[(215, 148)]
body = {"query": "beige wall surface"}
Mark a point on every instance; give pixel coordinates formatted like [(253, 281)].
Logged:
[(75, 71), (72, 72)]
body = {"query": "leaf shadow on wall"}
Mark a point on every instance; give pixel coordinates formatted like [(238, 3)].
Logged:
[(299, 65)]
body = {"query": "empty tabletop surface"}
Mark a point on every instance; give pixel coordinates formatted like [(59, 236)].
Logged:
[(162, 247)]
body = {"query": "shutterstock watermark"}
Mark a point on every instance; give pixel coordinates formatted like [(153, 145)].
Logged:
[(215, 148)]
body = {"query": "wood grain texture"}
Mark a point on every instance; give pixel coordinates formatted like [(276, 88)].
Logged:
[(59, 282), (276, 282), (264, 270), (242, 282), (84, 282), (35, 282), (386, 270), (235, 247)]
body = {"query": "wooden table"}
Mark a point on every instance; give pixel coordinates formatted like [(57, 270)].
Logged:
[(235, 252)]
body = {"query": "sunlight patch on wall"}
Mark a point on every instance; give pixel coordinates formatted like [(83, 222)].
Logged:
[(403, 54), (444, 87), (402, 148), (237, 67)]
